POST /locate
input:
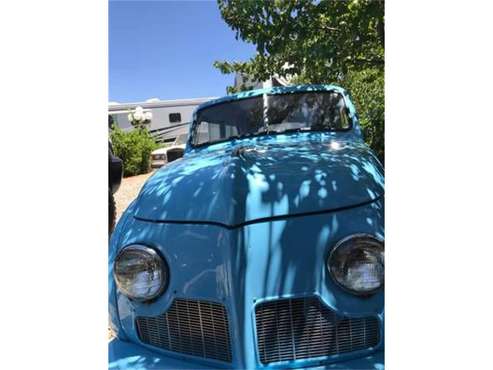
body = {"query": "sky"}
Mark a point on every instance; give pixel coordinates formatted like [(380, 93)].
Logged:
[(165, 50)]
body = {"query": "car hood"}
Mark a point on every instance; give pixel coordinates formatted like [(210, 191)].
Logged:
[(254, 179)]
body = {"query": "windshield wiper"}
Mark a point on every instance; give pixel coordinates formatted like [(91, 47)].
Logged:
[(242, 136), (290, 130)]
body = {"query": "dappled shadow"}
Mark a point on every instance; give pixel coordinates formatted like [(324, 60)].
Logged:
[(272, 207), (271, 176)]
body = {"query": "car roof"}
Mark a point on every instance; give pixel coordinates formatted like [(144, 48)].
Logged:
[(271, 90)]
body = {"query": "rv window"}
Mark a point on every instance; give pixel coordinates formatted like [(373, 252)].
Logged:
[(174, 117)]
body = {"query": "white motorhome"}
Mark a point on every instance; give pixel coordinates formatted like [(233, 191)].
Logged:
[(170, 118)]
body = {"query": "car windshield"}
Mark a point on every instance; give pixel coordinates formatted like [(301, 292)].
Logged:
[(267, 114)]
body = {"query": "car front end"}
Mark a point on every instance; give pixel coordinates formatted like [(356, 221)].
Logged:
[(257, 252)]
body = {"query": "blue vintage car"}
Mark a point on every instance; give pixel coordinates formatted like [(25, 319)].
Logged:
[(262, 248)]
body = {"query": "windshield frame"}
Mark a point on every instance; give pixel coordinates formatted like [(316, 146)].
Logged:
[(195, 125)]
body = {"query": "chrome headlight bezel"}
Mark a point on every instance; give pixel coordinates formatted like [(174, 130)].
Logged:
[(339, 254), (159, 265)]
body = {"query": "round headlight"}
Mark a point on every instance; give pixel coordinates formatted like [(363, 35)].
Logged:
[(140, 273), (357, 264)]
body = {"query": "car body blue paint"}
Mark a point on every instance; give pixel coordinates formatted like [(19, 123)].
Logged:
[(240, 231), (128, 356), (276, 176)]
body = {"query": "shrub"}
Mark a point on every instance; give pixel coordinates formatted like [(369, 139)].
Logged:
[(367, 90), (134, 148)]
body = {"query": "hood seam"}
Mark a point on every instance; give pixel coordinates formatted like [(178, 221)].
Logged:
[(263, 219)]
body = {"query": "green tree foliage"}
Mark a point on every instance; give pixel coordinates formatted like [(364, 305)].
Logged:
[(134, 148), (327, 41), (367, 89)]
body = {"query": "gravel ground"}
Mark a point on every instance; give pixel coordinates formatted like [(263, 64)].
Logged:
[(129, 189)]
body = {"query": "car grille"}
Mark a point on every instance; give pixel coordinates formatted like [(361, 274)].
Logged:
[(196, 328), (302, 328)]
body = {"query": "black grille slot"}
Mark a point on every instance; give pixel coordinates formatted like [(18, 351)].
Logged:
[(301, 328), (196, 328)]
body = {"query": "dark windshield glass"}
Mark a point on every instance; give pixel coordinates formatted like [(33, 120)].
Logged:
[(273, 114)]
